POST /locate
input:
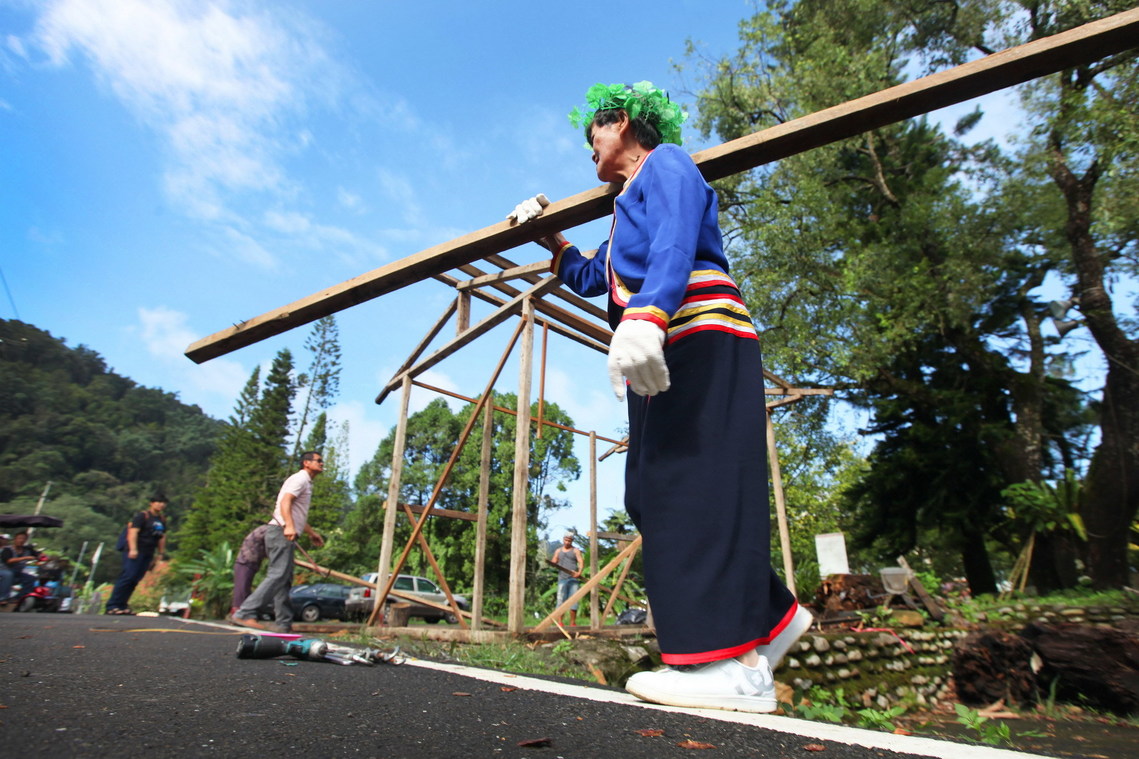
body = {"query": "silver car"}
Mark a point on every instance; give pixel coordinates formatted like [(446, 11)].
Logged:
[(361, 600)]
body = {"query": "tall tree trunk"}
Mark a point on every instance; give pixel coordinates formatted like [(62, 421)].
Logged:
[(1111, 489), (978, 568)]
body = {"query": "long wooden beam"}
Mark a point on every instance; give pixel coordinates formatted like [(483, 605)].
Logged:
[(1074, 47)]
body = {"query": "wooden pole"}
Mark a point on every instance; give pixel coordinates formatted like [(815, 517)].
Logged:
[(388, 540), (423, 544), (484, 505), (1038, 58), (780, 507), (617, 587), (595, 621), (542, 379), (418, 528), (516, 622)]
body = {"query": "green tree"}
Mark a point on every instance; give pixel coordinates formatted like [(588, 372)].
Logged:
[(1082, 156), (879, 264), (431, 436), (321, 383), (105, 442), (247, 471)]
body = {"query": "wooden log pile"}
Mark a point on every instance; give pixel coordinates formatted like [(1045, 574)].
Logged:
[(1083, 664)]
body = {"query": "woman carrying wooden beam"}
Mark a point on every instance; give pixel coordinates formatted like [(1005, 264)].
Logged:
[(696, 474)]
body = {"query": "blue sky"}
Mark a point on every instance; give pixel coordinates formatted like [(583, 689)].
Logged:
[(170, 168)]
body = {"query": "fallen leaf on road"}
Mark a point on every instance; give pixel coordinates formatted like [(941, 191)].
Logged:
[(814, 747), (508, 689), (536, 743), (649, 733), (79, 646), (694, 744), (460, 693)]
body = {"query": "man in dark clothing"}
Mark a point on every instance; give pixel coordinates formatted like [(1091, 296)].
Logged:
[(146, 538)]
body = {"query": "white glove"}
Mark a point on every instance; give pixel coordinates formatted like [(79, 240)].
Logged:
[(637, 352), (528, 209)]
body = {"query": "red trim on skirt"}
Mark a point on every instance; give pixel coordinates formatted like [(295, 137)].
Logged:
[(729, 653)]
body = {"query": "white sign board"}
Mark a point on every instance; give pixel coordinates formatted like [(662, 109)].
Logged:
[(831, 550)]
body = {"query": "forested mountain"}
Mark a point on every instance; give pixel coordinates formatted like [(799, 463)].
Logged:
[(103, 441)]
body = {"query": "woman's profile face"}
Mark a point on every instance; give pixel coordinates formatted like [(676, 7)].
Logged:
[(607, 146)]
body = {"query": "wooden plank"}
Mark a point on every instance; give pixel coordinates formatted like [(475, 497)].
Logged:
[(1081, 45), (1007, 68), (499, 303), (594, 335), (483, 513), (387, 544), (516, 620), (476, 331), (517, 272), (466, 516), (448, 312), (562, 293), (599, 332)]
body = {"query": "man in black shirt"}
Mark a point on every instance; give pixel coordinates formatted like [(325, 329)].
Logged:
[(146, 537)]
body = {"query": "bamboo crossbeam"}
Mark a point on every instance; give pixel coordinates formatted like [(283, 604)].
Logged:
[(1081, 45)]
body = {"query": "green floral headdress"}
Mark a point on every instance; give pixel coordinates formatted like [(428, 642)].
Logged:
[(641, 99)]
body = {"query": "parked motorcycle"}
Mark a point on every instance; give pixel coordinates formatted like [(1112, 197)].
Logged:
[(49, 594)]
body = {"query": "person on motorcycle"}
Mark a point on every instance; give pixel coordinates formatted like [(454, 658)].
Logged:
[(16, 559)]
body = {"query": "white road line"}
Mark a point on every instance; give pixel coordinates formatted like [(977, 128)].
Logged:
[(907, 744)]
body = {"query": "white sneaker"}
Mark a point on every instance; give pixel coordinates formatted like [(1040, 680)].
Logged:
[(725, 684), (778, 648)]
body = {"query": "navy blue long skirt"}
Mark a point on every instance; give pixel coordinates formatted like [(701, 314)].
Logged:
[(696, 488)]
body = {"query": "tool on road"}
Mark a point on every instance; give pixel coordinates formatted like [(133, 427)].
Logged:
[(313, 649), (264, 647)]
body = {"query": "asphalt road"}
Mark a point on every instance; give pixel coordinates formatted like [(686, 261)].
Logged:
[(97, 686)]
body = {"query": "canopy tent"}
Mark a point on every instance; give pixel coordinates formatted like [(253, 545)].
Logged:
[(29, 520)]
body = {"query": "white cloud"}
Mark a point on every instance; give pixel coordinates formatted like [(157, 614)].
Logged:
[(365, 430), (401, 192), (301, 231), (248, 249), (165, 335), (217, 80), (349, 200)]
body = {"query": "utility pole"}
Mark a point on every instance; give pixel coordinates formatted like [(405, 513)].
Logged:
[(39, 507)]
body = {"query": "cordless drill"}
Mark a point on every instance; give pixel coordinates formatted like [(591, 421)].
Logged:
[(264, 647)]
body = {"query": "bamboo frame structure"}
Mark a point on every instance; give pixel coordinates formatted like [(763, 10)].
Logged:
[(452, 263)]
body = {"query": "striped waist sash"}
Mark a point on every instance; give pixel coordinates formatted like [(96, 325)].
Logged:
[(712, 301)]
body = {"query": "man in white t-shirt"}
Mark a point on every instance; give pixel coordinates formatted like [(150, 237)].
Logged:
[(290, 518)]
